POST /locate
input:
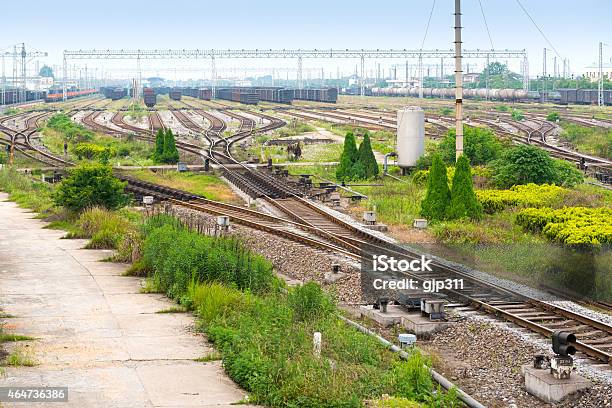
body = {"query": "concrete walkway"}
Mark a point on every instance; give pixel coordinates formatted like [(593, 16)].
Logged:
[(95, 333)]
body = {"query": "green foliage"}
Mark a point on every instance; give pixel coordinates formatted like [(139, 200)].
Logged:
[(517, 115), (158, 154), (499, 76), (412, 377), (437, 198), (553, 116), (596, 141), (529, 195), (308, 301), (365, 160), (170, 154), (501, 108), (179, 256), (575, 226), (107, 229), (37, 196), (90, 151), (526, 164), (211, 300), (348, 158), (91, 185), (420, 177), (463, 200), (479, 145), (446, 111), (72, 132)]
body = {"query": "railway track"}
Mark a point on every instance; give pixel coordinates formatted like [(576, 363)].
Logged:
[(320, 229)]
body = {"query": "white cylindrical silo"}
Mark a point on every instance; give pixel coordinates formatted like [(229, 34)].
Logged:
[(410, 135)]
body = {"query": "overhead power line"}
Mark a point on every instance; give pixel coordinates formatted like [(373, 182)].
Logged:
[(539, 29), (428, 21), (486, 25)]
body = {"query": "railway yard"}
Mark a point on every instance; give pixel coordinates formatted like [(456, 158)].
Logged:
[(241, 178)]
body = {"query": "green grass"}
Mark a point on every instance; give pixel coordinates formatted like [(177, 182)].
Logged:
[(150, 286), (207, 185), (594, 141), (37, 196), (213, 356), (172, 309), (19, 358), (395, 203), (4, 337)]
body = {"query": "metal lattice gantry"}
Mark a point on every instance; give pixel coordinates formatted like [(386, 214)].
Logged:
[(361, 54)]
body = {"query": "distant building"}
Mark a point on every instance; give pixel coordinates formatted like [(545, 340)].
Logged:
[(592, 72), (471, 77)]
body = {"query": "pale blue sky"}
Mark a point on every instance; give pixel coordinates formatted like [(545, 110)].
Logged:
[(574, 27)]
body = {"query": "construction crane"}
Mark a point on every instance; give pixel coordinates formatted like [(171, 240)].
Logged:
[(20, 57)]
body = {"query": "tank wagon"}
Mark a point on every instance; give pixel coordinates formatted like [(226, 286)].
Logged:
[(56, 95), (449, 93)]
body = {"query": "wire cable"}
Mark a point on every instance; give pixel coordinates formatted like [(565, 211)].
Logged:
[(428, 21), (539, 29), (486, 25)]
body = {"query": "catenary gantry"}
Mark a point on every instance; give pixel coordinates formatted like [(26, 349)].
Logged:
[(362, 54)]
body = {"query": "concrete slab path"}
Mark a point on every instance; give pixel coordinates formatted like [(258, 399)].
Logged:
[(95, 332)]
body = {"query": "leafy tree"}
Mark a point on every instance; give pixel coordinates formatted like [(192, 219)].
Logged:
[(158, 154), (91, 185), (479, 145), (437, 198), (366, 159), (46, 72), (524, 164), (171, 154), (553, 116), (463, 199), (567, 174), (348, 158)]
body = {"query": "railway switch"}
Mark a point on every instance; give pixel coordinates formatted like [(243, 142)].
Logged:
[(561, 364)]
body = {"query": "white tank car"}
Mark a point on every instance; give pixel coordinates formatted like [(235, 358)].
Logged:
[(410, 135)]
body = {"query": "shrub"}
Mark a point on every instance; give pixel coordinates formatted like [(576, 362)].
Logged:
[(437, 197), (348, 158), (308, 301), (517, 115), (524, 164), (463, 201), (479, 145), (553, 116), (530, 195), (71, 131), (158, 154), (91, 185), (211, 300), (88, 151), (107, 229), (576, 226), (179, 256), (366, 166), (501, 108)]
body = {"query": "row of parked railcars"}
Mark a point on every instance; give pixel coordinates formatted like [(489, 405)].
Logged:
[(329, 95), (114, 93), (175, 94), (247, 96), (584, 96), (11, 96), (150, 99), (57, 95), (275, 94)]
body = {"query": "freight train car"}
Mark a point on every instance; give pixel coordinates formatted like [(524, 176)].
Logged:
[(175, 94), (57, 95), (329, 95), (274, 94), (11, 96), (150, 99), (243, 95), (584, 96), (114, 93)]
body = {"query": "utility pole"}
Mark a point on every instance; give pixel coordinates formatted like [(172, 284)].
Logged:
[(299, 72), (458, 82), (600, 82), (488, 69), (421, 76), (362, 91)]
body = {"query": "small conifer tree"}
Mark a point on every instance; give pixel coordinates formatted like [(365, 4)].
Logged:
[(159, 146), (366, 159), (437, 198), (170, 155), (463, 199), (348, 158)]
